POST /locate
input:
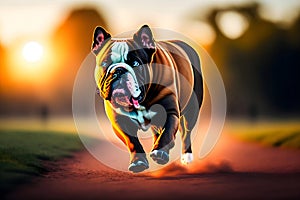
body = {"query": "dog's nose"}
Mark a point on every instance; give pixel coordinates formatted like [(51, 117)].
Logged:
[(118, 73), (119, 82)]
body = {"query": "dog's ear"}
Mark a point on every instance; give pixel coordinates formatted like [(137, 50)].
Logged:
[(144, 38), (99, 39)]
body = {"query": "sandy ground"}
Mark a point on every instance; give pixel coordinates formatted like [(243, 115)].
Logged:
[(233, 170)]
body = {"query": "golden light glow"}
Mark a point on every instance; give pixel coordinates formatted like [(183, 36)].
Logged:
[(232, 24), (30, 62), (33, 51)]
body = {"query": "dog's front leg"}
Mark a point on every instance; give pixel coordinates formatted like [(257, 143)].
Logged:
[(126, 130), (165, 133)]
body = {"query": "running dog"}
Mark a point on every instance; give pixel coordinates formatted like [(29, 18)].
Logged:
[(149, 84)]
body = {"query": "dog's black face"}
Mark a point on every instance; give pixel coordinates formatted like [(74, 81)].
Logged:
[(122, 70)]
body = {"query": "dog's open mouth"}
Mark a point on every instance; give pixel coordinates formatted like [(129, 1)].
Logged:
[(121, 97), (124, 100), (125, 90)]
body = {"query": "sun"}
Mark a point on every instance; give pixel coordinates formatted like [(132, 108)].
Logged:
[(32, 51)]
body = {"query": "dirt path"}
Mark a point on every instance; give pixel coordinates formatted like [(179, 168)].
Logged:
[(234, 170)]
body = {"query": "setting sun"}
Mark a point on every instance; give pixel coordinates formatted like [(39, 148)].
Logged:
[(31, 61), (32, 51)]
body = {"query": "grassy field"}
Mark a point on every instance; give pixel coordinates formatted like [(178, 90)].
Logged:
[(275, 134), (24, 150)]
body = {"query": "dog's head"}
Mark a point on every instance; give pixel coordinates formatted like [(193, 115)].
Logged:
[(122, 66)]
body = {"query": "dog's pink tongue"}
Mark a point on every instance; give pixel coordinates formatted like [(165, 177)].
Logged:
[(135, 103)]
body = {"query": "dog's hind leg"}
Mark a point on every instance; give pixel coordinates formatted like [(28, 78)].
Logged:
[(187, 155), (188, 121), (192, 109)]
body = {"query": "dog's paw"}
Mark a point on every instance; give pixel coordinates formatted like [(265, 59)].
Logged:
[(187, 158), (160, 156), (138, 165)]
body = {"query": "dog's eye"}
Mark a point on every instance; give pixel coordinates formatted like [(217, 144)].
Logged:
[(135, 64)]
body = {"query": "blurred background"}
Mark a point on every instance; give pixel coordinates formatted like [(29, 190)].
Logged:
[(255, 44)]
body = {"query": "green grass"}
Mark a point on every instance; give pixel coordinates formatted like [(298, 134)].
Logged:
[(22, 153), (275, 134)]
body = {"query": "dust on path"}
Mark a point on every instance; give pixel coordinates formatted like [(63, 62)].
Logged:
[(234, 170)]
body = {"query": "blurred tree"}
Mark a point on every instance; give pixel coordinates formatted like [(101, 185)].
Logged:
[(281, 81), (71, 44), (260, 68), (3, 85), (2, 66)]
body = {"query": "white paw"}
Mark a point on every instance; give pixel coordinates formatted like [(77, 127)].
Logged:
[(187, 158)]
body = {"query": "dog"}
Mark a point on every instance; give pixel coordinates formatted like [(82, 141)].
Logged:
[(149, 84)]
